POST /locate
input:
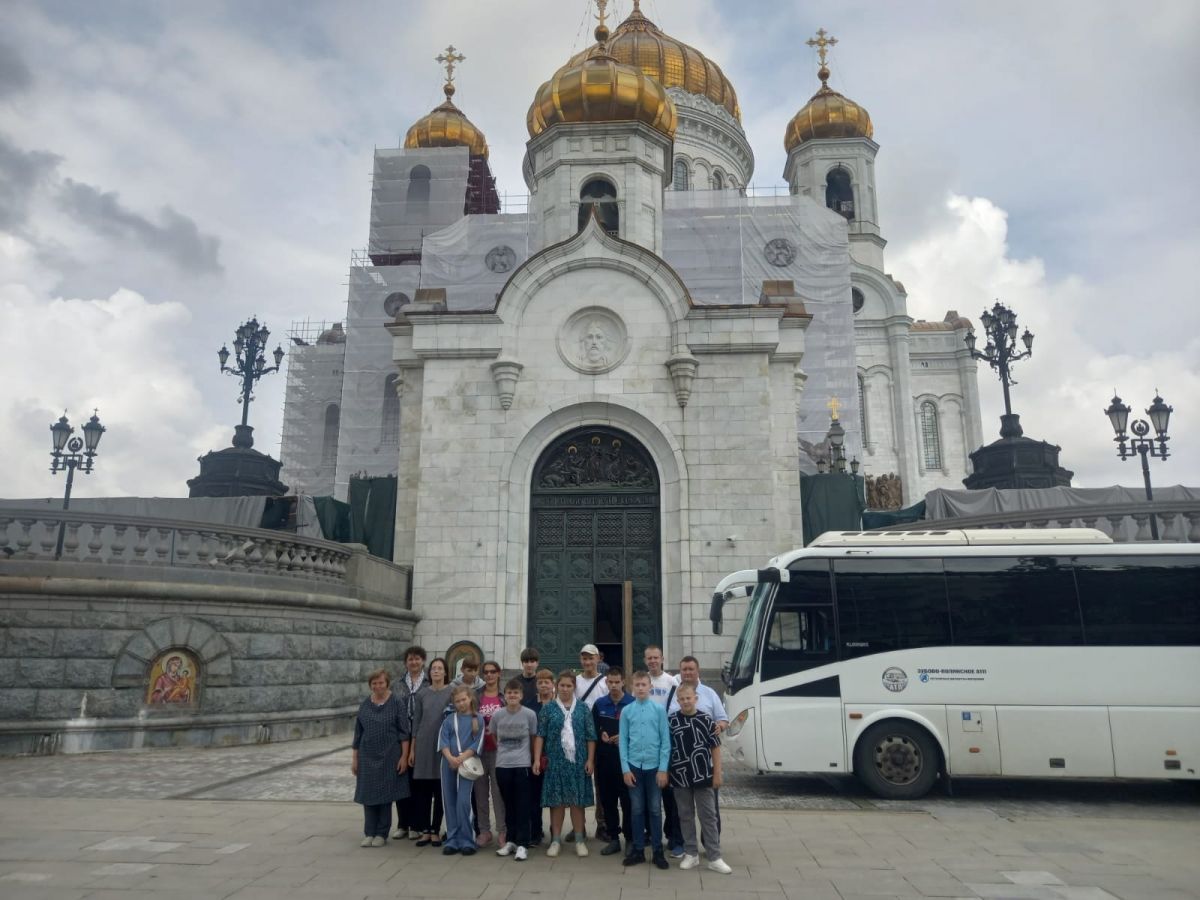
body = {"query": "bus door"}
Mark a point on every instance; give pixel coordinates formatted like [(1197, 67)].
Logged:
[(800, 701)]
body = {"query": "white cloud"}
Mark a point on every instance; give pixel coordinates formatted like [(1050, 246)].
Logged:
[(120, 354), (965, 263)]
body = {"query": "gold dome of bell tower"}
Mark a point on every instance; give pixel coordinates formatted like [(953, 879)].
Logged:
[(446, 125), (596, 87), (828, 114)]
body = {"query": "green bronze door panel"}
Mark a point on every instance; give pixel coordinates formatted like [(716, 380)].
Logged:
[(595, 513)]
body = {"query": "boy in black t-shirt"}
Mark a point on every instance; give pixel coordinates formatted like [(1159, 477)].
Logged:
[(695, 771)]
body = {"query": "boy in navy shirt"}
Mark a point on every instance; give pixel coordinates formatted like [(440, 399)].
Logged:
[(613, 794)]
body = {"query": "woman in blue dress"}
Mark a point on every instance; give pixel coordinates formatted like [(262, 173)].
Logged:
[(567, 737), (380, 761)]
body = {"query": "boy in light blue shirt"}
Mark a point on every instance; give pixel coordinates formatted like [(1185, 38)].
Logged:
[(645, 744)]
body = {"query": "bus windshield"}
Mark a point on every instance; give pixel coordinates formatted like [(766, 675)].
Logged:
[(745, 654)]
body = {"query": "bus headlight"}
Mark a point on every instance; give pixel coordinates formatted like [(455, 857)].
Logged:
[(738, 723)]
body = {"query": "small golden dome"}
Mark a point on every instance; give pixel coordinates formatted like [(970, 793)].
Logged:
[(446, 126), (638, 42), (598, 88), (827, 115)]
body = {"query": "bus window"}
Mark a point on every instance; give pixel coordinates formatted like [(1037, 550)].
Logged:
[(745, 654), (890, 604), (798, 638), (1000, 601), (1143, 601)]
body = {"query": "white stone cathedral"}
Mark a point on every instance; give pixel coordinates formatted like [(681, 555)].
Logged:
[(605, 402)]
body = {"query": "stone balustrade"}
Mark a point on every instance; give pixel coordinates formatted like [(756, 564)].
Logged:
[(100, 539), (1178, 520)]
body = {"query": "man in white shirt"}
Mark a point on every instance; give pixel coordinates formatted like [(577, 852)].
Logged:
[(589, 683), (660, 682)]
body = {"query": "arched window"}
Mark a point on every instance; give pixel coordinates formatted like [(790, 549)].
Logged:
[(418, 185), (600, 195), (931, 442), (718, 182), (682, 180), (857, 299), (839, 196), (390, 432), (329, 439), (862, 407)]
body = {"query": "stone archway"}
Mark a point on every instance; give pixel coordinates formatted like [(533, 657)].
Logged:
[(594, 532)]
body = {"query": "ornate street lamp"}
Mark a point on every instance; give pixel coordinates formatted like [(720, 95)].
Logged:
[(1000, 326), (249, 344), (1140, 443), (73, 453)]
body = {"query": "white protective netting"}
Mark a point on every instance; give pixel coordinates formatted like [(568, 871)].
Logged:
[(474, 258), (725, 245)]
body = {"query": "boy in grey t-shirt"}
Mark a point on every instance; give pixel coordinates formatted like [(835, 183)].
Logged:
[(514, 726)]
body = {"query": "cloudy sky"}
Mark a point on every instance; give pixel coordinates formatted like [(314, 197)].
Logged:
[(169, 168)]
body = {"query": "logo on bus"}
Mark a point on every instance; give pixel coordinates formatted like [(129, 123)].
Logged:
[(895, 679)]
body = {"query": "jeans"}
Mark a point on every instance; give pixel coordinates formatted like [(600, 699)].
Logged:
[(514, 788), (377, 820), (645, 801)]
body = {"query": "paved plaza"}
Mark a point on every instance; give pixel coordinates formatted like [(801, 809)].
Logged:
[(274, 821)]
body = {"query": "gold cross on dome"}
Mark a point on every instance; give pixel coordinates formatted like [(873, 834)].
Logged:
[(833, 405), (822, 42), (450, 58)]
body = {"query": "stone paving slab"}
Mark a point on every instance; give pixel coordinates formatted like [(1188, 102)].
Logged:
[(274, 822)]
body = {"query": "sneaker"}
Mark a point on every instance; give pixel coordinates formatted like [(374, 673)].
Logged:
[(506, 850), (378, 841), (485, 838), (719, 865), (676, 853), (661, 861), (414, 835), (689, 861), (634, 858), (521, 855), (581, 848), (366, 842), (554, 849), (610, 848), (400, 834)]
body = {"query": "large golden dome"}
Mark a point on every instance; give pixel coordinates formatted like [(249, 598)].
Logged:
[(638, 42), (827, 115), (599, 88), (446, 126)]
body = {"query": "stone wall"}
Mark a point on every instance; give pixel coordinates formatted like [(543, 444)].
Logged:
[(276, 657)]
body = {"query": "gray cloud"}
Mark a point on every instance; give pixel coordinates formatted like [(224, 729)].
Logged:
[(174, 235), (21, 172), (15, 75)]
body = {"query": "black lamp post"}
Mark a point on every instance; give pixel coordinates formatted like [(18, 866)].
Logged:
[(249, 344), (1140, 443), (73, 453), (1000, 326)]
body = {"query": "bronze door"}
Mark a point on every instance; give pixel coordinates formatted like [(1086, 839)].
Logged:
[(594, 522)]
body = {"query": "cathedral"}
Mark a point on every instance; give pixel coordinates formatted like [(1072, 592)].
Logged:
[(599, 404)]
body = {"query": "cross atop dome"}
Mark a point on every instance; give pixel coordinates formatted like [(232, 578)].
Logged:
[(450, 57), (822, 42)]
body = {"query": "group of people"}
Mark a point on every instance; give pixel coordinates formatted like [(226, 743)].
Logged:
[(490, 758)]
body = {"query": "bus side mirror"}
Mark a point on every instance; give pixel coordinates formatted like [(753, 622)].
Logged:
[(715, 614)]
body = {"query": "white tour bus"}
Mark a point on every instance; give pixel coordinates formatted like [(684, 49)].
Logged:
[(905, 656)]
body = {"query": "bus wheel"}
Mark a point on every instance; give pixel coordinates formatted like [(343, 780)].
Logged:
[(897, 760)]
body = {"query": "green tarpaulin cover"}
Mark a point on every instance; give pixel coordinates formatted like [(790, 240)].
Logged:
[(831, 503)]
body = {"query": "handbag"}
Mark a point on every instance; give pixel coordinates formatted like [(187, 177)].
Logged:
[(471, 767)]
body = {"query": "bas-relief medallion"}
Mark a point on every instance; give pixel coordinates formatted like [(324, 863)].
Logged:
[(593, 341), (500, 259), (780, 252)]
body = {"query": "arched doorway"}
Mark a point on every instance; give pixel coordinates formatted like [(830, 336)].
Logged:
[(594, 548)]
